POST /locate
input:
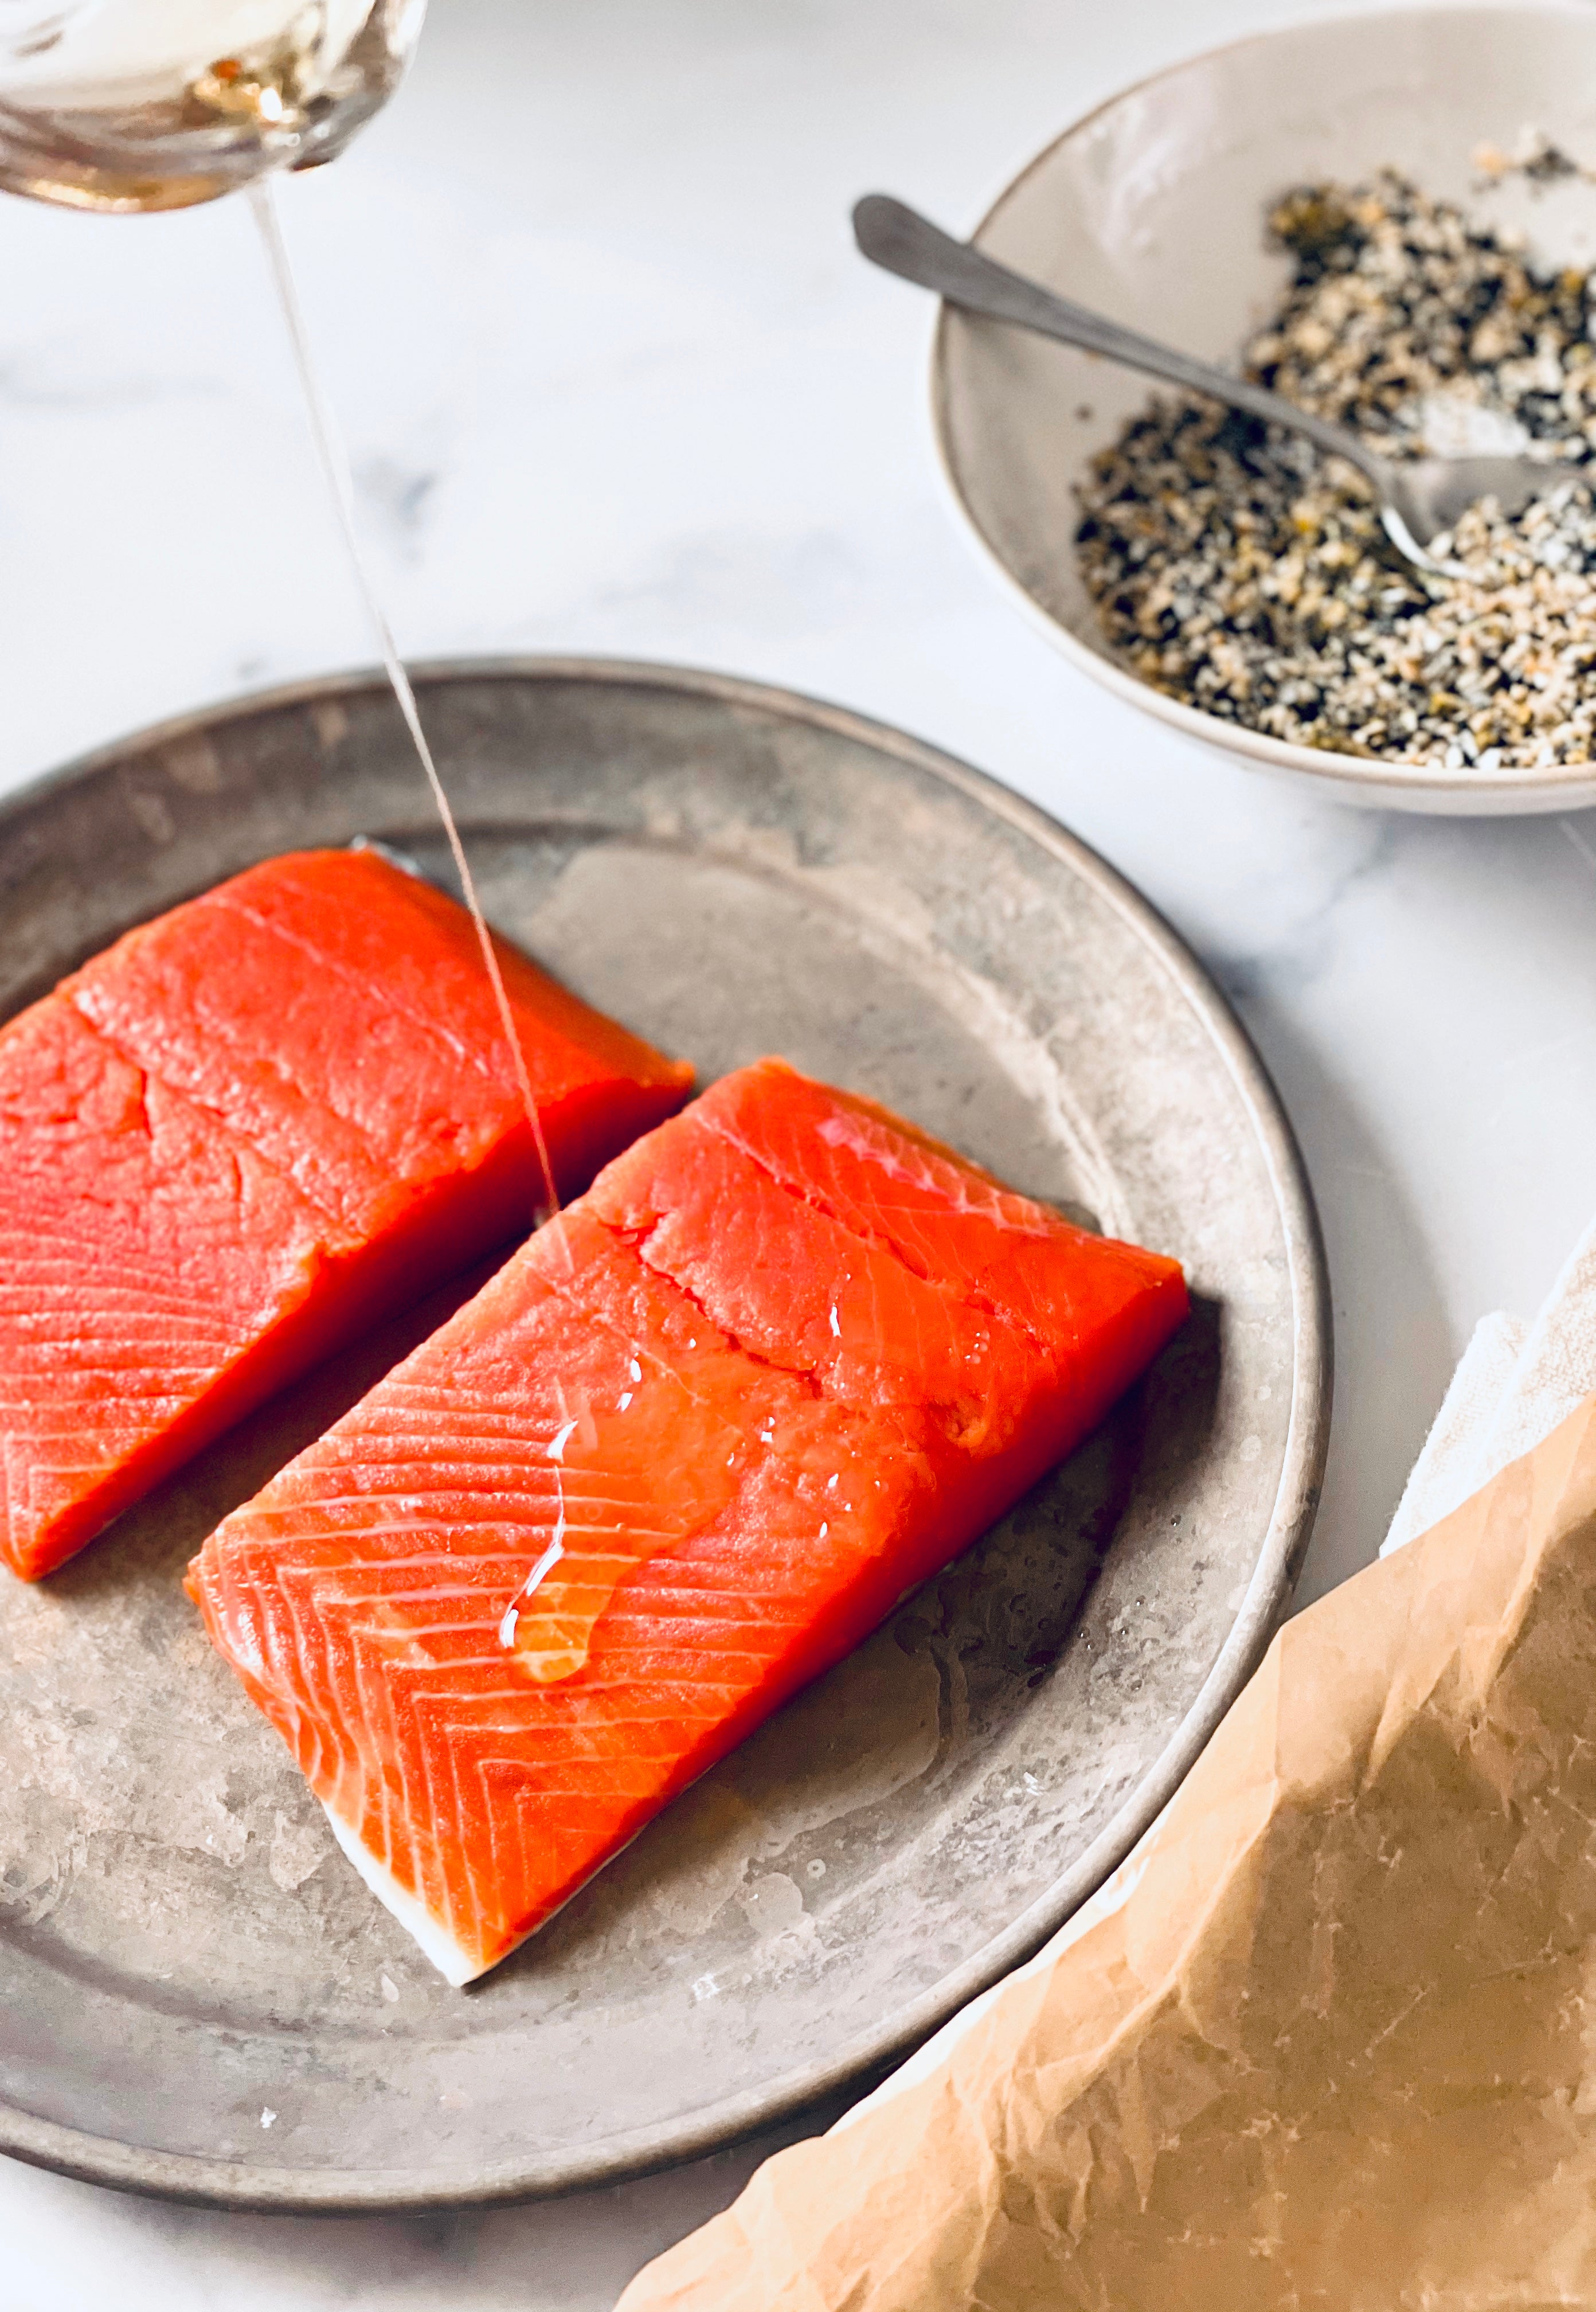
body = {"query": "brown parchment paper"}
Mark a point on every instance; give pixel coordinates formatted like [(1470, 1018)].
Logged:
[(1337, 2046)]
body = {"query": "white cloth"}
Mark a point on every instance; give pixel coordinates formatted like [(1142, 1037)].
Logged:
[(1515, 1382)]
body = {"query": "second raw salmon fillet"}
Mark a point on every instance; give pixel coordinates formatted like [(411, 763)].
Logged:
[(244, 1133), (693, 1442)]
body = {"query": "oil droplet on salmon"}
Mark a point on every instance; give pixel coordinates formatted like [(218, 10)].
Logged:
[(612, 1520)]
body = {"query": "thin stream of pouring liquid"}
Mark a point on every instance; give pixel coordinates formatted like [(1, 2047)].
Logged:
[(334, 458), (548, 1625)]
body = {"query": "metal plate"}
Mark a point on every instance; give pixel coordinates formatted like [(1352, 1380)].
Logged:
[(197, 1994)]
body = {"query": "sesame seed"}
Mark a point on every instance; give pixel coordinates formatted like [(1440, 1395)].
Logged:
[(1236, 569)]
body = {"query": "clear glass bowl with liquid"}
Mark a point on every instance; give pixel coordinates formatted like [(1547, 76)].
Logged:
[(129, 105)]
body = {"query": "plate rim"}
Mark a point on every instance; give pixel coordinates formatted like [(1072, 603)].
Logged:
[(1361, 782), (235, 2186)]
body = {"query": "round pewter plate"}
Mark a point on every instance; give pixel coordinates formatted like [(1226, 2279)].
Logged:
[(197, 1996)]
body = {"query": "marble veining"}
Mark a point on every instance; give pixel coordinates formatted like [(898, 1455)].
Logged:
[(615, 381)]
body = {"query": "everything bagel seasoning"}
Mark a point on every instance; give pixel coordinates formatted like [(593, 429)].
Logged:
[(1238, 570)]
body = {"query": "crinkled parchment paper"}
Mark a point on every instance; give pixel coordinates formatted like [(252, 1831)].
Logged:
[(1335, 2048)]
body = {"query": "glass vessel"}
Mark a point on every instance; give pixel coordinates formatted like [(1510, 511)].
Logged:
[(129, 105)]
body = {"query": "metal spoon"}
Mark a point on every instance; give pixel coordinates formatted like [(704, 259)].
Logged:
[(1419, 501)]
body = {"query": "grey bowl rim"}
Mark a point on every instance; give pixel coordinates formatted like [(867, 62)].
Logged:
[(236, 2186)]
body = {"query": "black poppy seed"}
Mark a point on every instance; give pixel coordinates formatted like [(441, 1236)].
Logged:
[(1235, 569)]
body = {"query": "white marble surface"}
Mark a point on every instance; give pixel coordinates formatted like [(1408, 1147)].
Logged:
[(616, 382)]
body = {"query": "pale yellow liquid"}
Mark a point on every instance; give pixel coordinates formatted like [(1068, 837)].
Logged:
[(130, 105)]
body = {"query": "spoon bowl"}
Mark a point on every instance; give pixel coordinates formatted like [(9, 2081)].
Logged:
[(1422, 500)]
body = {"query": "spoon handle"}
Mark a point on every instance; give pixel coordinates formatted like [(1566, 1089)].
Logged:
[(901, 240)]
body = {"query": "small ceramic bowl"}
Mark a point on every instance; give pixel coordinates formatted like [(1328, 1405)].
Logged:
[(1151, 210)]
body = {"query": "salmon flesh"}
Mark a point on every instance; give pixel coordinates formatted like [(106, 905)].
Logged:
[(785, 1358), (242, 1134)]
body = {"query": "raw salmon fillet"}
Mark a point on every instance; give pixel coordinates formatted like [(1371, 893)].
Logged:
[(244, 1133), (696, 1438)]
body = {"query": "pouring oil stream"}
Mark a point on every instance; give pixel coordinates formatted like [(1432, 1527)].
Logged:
[(334, 458)]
